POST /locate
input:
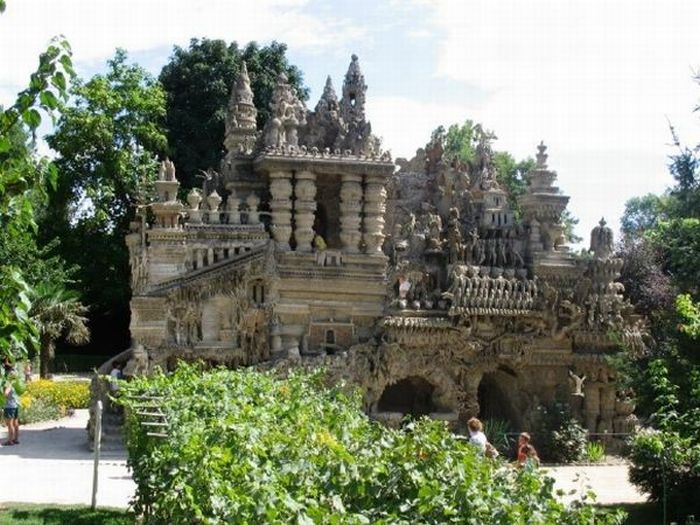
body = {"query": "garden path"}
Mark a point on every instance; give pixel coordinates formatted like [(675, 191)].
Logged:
[(53, 465)]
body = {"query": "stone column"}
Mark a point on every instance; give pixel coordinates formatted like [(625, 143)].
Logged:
[(375, 206), (281, 206), (304, 207), (350, 206), (591, 406), (253, 201)]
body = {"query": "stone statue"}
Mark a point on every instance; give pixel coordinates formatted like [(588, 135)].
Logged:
[(602, 244), (288, 113), (578, 383)]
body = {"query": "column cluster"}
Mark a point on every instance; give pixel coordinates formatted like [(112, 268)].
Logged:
[(281, 206), (304, 207), (350, 208)]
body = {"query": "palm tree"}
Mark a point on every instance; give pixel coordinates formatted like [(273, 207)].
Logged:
[(57, 313)]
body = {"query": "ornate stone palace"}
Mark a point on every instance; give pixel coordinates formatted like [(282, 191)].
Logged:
[(423, 286)]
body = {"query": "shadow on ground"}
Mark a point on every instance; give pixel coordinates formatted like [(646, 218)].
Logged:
[(56, 443)]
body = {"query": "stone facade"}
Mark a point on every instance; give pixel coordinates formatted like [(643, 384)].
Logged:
[(421, 285)]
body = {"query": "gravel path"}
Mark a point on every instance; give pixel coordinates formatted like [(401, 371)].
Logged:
[(53, 465)]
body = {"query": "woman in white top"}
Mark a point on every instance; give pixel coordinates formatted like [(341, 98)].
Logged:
[(476, 434)]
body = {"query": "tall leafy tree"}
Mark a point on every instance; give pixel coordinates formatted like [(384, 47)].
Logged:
[(23, 182), (57, 313), (107, 140), (197, 82), (661, 243)]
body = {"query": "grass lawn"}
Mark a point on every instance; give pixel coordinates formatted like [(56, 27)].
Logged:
[(28, 514)]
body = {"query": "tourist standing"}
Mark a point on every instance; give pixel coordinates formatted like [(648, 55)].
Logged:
[(11, 410)]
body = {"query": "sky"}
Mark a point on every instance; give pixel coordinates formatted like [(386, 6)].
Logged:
[(597, 80)]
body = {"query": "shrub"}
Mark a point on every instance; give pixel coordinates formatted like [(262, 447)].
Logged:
[(65, 394), (664, 461), (595, 451), (247, 447), (34, 410), (497, 431), (560, 437)]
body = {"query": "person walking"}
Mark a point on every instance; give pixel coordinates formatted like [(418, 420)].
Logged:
[(11, 411)]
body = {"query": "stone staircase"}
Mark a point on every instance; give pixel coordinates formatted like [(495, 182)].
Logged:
[(112, 430)]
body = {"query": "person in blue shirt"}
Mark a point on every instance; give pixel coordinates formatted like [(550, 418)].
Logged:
[(11, 411)]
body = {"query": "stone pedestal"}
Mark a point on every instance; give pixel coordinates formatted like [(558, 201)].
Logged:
[(233, 204), (213, 201), (194, 198), (375, 206), (350, 207), (305, 206), (281, 206)]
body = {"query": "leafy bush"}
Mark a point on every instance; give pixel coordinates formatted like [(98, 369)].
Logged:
[(247, 447), (666, 462), (560, 437), (65, 394), (34, 410), (595, 451)]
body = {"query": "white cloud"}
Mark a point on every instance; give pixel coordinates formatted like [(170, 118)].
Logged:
[(595, 79), (96, 27)]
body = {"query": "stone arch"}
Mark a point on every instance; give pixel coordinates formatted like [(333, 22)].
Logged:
[(497, 396), (411, 395)]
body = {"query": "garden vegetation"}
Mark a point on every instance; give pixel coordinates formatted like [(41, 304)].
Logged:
[(248, 447)]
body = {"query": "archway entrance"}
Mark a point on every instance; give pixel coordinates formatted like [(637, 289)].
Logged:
[(412, 395), (497, 396)]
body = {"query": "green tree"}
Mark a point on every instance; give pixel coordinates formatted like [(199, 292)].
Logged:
[(198, 81), (107, 140), (57, 313), (662, 236), (23, 182)]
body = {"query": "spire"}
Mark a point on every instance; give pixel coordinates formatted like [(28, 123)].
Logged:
[(354, 88), (241, 116), (542, 156), (329, 100), (242, 112)]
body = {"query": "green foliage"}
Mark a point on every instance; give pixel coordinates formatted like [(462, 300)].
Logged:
[(497, 431), (198, 80), (560, 438), (247, 447), (107, 141), (30, 514), (679, 241), (23, 183), (667, 465), (595, 452), (57, 313), (643, 214)]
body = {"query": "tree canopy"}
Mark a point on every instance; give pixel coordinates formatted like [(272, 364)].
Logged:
[(197, 82)]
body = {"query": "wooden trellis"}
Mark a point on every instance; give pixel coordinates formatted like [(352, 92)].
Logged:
[(150, 413)]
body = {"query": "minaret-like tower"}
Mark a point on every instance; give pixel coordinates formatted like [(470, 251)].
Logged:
[(328, 103), (542, 206), (241, 127), (352, 105)]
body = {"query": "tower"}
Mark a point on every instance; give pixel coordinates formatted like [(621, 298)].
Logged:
[(241, 130)]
